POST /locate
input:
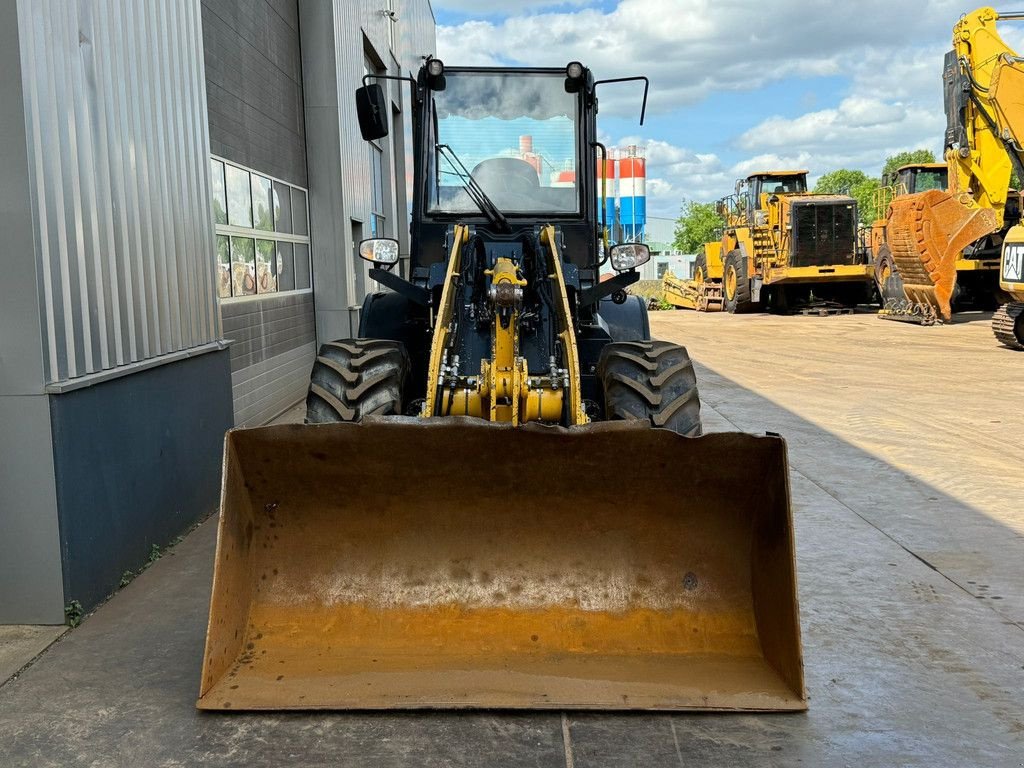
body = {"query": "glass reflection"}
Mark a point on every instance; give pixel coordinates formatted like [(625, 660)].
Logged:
[(243, 266)]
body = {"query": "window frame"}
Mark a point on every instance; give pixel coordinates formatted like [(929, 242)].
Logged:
[(233, 231)]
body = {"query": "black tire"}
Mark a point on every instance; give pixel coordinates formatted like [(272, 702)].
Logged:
[(700, 268), (652, 381), (739, 302), (353, 378), (887, 276)]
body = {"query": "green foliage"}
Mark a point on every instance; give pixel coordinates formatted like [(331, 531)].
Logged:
[(857, 185), (840, 182), (696, 225), (906, 158), (73, 613)]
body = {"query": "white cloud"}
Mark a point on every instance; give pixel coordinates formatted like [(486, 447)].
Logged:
[(692, 49), (695, 50)]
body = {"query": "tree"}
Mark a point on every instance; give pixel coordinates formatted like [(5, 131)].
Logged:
[(696, 225), (857, 185), (839, 182), (892, 162)]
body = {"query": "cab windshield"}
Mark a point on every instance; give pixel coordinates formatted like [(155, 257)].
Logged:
[(925, 180), (514, 134), (782, 185)]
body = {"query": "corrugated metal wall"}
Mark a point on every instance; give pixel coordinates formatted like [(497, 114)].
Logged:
[(119, 153)]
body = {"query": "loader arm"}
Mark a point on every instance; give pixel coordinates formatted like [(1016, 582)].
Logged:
[(926, 232)]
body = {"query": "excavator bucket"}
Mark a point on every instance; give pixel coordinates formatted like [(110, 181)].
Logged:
[(454, 563), (926, 234)]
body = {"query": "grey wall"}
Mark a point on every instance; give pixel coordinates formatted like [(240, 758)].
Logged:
[(272, 349), (108, 266), (137, 461), (335, 37), (254, 85)]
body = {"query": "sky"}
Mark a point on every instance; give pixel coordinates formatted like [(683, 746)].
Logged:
[(736, 85)]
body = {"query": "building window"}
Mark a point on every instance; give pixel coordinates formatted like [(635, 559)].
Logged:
[(262, 230)]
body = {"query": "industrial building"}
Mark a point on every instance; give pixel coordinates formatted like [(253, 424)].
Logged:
[(183, 187)]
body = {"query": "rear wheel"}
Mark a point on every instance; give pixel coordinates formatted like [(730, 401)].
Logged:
[(736, 284), (353, 378), (651, 381)]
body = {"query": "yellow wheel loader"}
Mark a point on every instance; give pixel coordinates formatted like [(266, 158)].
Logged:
[(784, 247), (501, 497), (929, 234), (977, 266)]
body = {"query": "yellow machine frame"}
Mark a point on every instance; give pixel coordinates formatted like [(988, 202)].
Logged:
[(505, 391)]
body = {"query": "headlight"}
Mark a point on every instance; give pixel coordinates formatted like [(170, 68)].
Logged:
[(629, 256), (379, 250), (435, 67)]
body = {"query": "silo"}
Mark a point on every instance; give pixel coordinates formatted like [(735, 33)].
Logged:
[(633, 194)]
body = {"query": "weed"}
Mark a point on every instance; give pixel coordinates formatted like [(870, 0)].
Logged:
[(73, 613)]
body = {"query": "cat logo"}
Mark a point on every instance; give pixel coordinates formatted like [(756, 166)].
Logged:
[(1013, 263)]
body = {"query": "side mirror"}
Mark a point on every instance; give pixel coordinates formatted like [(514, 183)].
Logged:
[(379, 250), (629, 256), (372, 108)]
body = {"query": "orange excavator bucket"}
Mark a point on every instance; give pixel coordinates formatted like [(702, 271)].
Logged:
[(926, 233), (452, 563)]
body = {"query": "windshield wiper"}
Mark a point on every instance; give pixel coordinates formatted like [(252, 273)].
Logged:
[(474, 190)]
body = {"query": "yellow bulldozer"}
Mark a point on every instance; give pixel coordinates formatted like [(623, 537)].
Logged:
[(501, 497), (930, 237), (785, 247)]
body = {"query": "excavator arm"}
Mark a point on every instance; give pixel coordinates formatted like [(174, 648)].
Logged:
[(983, 81)]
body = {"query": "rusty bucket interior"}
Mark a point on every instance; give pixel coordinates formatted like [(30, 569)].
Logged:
[(452, 563)]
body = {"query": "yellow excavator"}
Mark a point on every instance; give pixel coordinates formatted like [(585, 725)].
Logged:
[(501, 497), (927, 232), (1008, 321)]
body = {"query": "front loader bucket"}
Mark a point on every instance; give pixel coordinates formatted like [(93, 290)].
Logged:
[(452, 563), (926, 234)]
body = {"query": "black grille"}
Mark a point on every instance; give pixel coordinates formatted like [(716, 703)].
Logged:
[(823, 234)]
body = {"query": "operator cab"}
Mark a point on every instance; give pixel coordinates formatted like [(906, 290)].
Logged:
[(769, 183), (910, 179)]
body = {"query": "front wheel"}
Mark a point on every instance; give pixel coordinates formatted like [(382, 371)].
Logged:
[(736, 284), (651, 381), (354, 378)]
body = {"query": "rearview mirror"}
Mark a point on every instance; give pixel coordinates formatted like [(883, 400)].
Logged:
[(379, 250), (629, 256), (371, 106)]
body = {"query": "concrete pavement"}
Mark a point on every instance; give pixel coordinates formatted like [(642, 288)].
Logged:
[(909, 552)]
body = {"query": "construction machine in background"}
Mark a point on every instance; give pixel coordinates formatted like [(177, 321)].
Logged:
[(1008, 321), (977, 265), (929, 234), (784, 247), (703, 292), (501, 498)]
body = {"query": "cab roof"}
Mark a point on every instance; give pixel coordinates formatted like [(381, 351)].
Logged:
[(922, 167), (777, 173)]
